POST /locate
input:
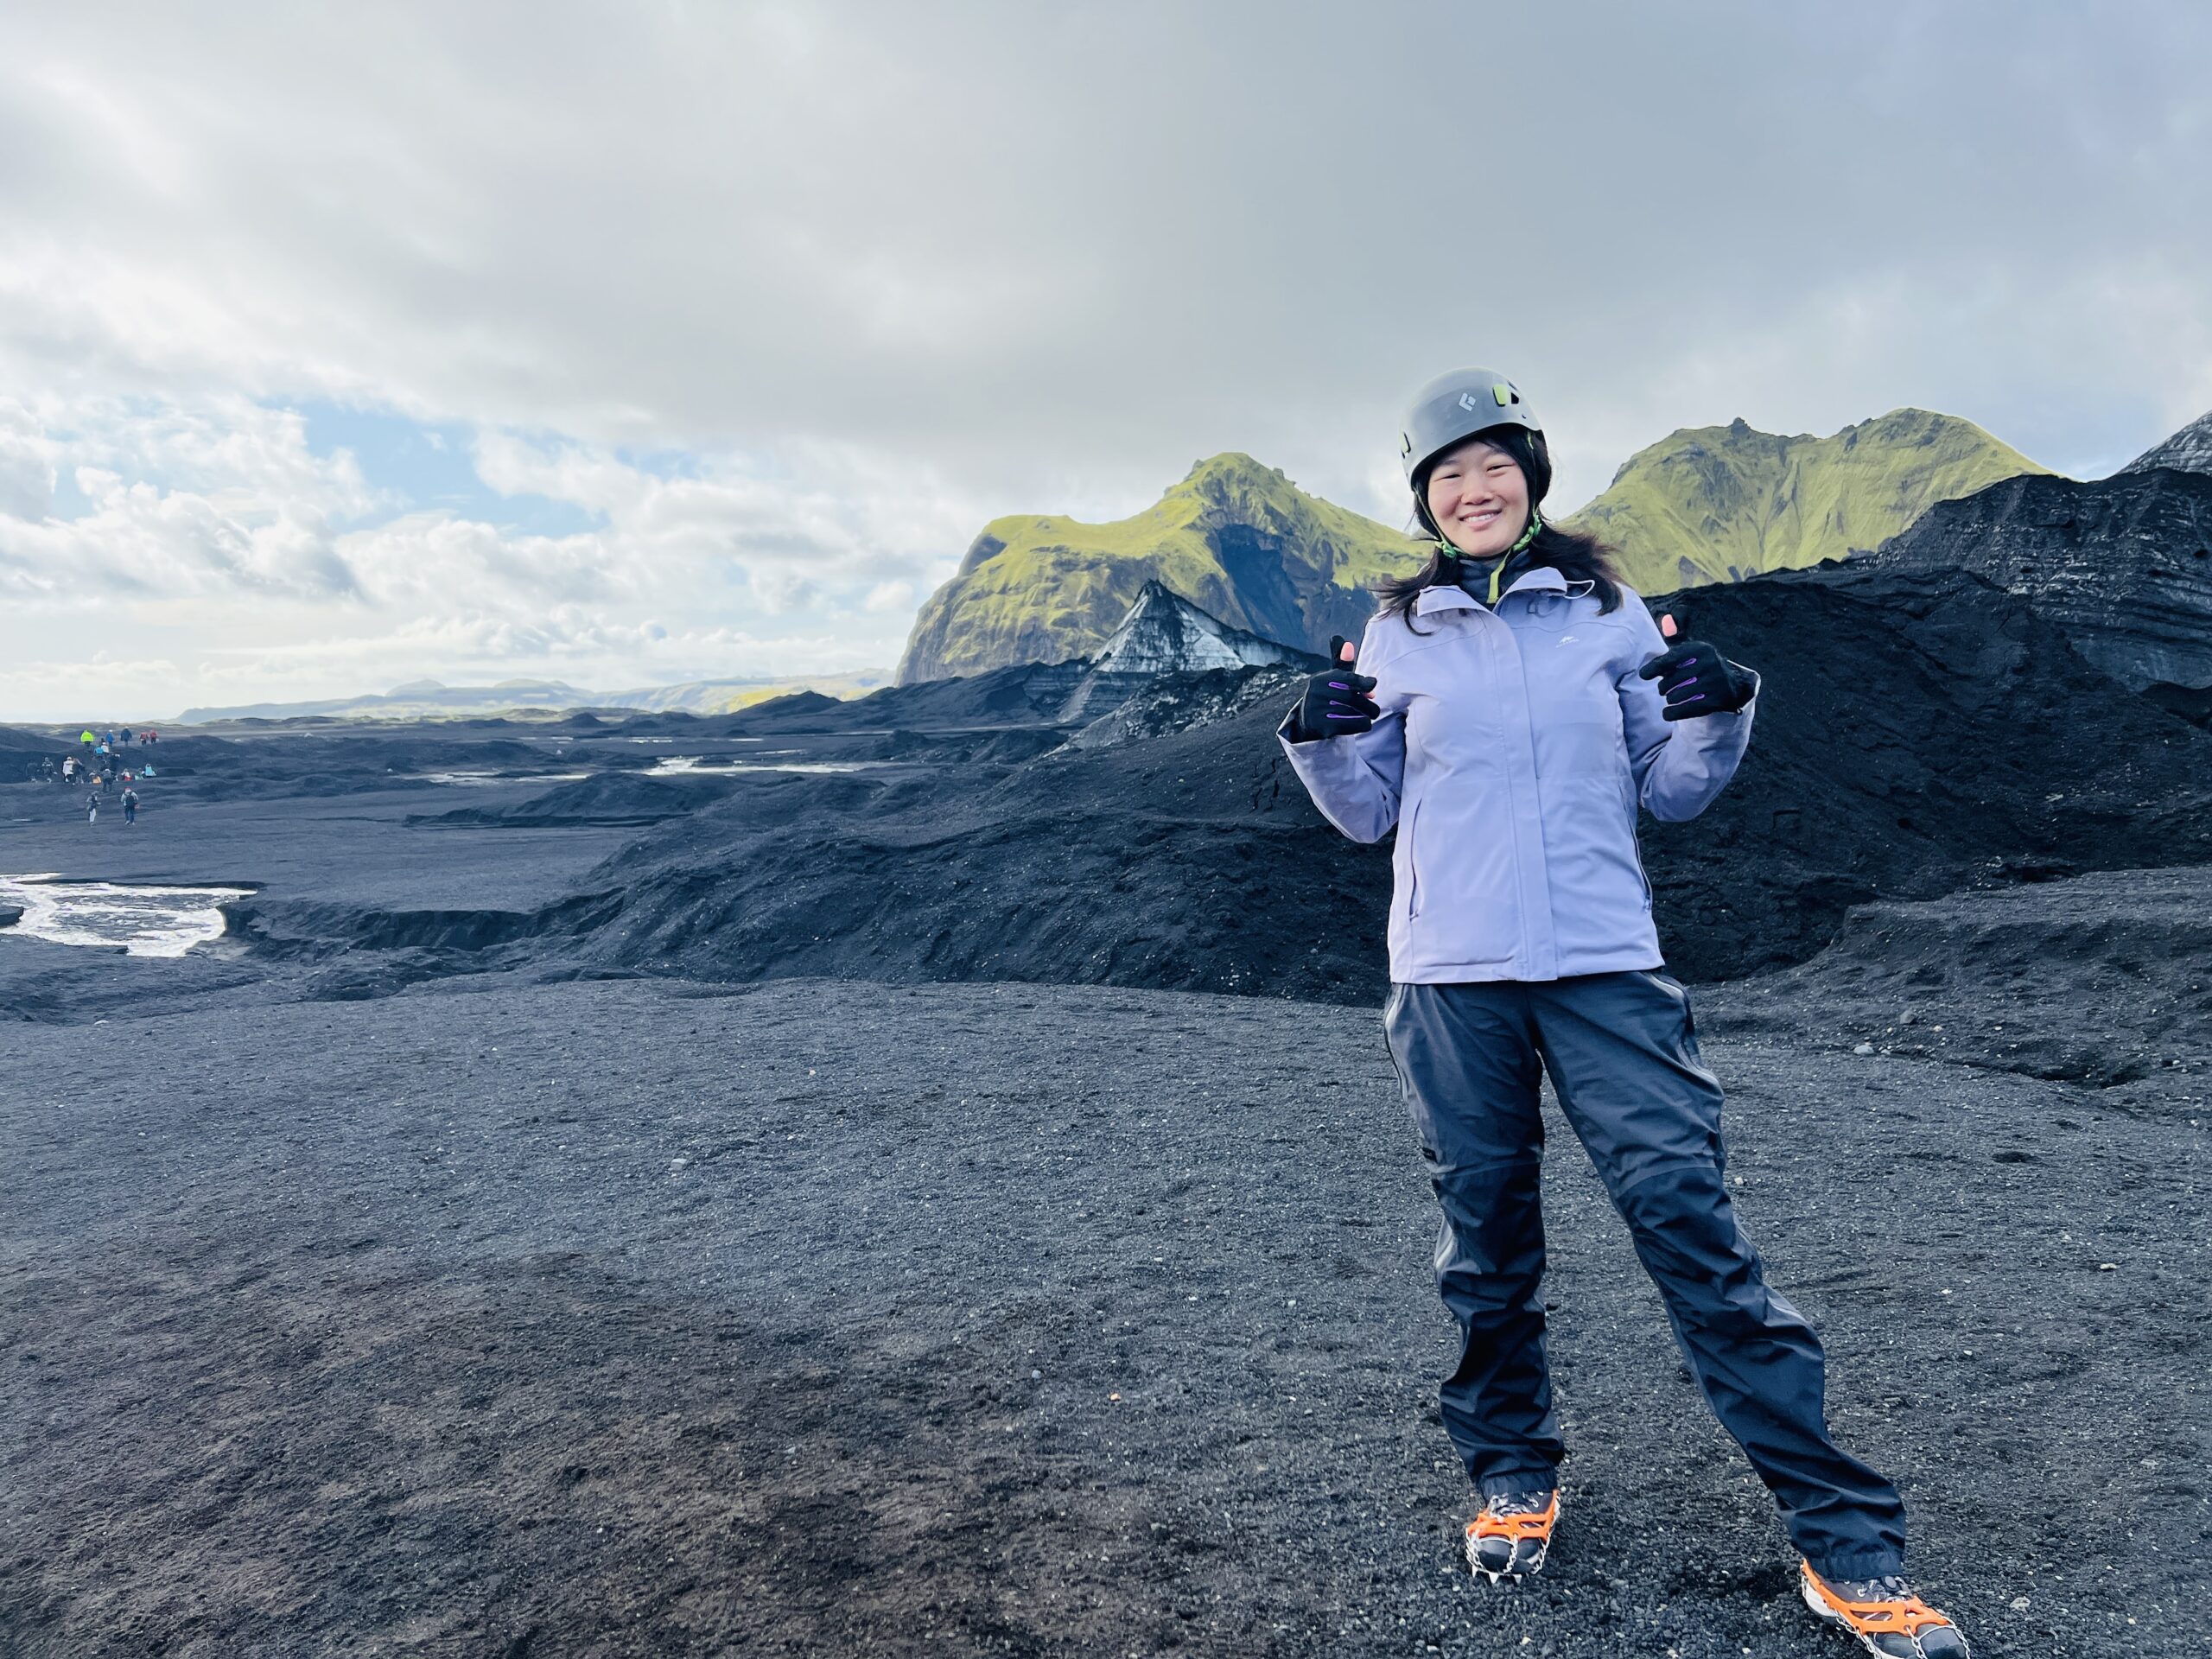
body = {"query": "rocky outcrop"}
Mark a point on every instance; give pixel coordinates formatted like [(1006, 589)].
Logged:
[(1165, 635), (1181, 703), (1721, 503), (2123, 564), (2189, 450), (1237, 540)]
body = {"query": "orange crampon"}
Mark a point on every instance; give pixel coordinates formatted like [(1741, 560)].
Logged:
[(1512, 1534), (1895, 1624)]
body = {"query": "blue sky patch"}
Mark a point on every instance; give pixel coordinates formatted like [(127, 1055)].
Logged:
[(429, 465)]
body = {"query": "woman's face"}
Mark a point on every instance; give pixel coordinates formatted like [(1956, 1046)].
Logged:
[(1479, 499)]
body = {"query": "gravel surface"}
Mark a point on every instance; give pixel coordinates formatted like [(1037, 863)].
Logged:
[(660, 1318), (348, 849)]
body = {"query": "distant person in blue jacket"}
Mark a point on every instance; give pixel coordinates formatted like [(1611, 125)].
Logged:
[(1507, 711)]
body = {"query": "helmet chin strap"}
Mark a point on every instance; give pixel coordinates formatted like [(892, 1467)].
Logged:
[(1498, 570)]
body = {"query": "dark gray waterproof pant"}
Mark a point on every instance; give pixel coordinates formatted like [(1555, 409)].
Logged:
[(1621, 1051)]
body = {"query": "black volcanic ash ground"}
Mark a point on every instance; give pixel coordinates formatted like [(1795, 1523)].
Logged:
[(652, 1318)]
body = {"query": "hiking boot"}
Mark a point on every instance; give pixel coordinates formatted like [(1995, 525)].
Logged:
[(1511, 1535), (1884, 1615)]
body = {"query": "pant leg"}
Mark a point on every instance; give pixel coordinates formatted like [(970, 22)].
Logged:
[(1469, 1074), (1622, 1050)]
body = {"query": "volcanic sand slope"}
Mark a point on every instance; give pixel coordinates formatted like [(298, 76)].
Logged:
[(1918, 733), (1716, 504), (656, 1318), (2103, 978), (1235, 538)]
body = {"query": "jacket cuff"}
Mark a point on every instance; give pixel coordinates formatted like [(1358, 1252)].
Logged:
[(1744, 707)]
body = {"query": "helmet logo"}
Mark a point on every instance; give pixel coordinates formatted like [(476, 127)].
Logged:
[(1467, 400)]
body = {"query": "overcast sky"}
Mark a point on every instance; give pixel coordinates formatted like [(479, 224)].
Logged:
[(634, 343)]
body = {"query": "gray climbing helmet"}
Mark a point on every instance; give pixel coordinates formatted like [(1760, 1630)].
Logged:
[(1454, 407)]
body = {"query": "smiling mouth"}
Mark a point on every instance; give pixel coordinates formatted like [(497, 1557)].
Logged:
[(1475, 521)]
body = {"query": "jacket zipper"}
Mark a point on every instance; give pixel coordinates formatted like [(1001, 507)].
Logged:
[(1413, 866)]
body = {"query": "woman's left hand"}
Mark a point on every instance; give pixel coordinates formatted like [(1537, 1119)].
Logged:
[(1696, 678)]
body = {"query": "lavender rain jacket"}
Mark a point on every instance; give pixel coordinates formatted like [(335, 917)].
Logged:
[(1512, 751)]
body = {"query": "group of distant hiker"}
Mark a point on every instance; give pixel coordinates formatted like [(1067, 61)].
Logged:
[(101, 769)]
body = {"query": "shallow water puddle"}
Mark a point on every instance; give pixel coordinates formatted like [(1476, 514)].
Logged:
[(815, 766), (483, 778), (146, 921), (669, 763)]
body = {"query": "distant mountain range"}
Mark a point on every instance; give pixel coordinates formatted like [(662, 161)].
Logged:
[(1720, 503), (1242, 543), (430, 700)]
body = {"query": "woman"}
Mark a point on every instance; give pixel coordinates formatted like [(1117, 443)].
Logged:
[(1513, 706)]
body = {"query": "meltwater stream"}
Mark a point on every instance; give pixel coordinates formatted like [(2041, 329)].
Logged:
[(146, 921)]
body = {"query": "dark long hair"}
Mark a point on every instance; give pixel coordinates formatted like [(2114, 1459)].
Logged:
[(1576, 556)]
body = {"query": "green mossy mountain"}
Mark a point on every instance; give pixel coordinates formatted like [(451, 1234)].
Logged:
[(1237, 540), (1241, 543), (1717, 502)]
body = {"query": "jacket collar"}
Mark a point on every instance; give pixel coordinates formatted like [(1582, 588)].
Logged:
[(1443, 596)]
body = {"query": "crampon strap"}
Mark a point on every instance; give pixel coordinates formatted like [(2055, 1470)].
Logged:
[(1516, 1527), (1903, 1616)]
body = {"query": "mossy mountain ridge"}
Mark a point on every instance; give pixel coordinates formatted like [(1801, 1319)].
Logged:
[(1718, 503), (1235, 538), (1242, 543)]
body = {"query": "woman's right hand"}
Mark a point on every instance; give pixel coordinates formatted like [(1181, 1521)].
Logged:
[(1336, 703)]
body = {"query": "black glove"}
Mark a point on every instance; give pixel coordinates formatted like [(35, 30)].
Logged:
[(1697, 678), (1336, 703)]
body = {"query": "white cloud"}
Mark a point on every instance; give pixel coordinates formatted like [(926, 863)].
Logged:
[(891, 596), (220, 496), (210, 532)]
